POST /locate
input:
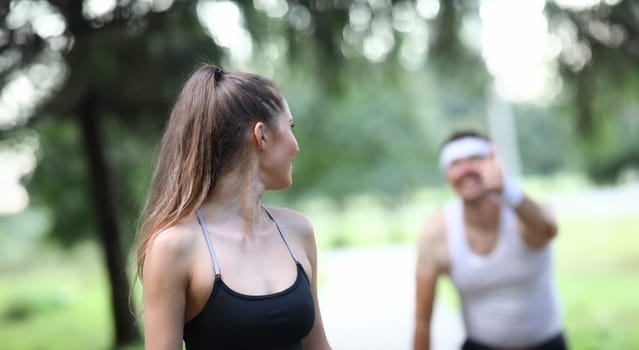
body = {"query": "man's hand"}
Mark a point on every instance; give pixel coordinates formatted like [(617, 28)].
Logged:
[(491, 173)]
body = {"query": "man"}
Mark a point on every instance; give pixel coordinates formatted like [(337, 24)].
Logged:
[(493, 242)]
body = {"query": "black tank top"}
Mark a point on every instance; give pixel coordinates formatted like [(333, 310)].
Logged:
[(235, 321)]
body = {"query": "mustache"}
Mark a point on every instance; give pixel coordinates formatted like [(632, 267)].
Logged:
[(471, 173)]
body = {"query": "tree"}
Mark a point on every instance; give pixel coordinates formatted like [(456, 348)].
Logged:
[(124, 64), (598, 62)]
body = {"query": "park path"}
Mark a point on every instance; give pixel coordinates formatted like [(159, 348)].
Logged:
[(367, 300)]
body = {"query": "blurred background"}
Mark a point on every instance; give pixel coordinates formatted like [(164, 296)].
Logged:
[(375, 86)]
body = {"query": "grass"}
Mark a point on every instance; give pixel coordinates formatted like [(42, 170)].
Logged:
[(60, 300), (598, 278), (60, 304)]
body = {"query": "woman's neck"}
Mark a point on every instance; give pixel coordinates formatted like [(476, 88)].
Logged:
[(236, 200)]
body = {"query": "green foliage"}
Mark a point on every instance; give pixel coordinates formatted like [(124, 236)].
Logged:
[(363, 126), (62, 301), (546, 141), (597, 269), (381, 134), (60, 182), (346, 140), (609, 170), (598, 63), (20, 235), (133, 156), (124, 70)]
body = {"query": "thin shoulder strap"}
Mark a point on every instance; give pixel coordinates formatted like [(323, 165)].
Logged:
[(453, 211), (279, 229), (205, 231)]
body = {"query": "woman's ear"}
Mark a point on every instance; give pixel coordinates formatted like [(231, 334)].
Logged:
[(260, 135)]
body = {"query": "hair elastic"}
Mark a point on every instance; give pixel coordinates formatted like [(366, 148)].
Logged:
[(218, 73)]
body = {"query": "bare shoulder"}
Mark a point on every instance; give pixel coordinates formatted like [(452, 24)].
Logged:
[(175, 240), (433, 231), (298, 231), (292, 221), (432, 247), (172, 248)]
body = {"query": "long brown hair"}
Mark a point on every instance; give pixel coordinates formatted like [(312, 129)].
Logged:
[(207, 129)]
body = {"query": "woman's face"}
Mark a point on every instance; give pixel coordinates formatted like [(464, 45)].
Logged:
[(277, 162)]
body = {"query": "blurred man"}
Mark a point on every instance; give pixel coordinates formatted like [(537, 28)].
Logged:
[(493, 242)]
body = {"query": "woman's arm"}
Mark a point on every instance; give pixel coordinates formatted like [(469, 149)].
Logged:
[(164, 284), (316, 339)]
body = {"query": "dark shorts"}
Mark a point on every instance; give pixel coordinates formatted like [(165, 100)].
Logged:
[(554, 343)]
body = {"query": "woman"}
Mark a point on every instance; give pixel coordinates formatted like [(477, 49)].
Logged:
[(218, 269)]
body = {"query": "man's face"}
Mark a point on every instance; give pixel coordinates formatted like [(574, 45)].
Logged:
[(464, 176)]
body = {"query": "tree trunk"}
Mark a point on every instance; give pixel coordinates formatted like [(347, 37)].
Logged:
[(126, 331), (584, 100)]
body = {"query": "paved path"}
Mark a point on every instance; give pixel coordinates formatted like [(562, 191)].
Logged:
[(367, 300), (598, 202)]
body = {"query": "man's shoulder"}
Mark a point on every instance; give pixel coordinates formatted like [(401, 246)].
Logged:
[(433, 244), (435, 225), (433, 241)]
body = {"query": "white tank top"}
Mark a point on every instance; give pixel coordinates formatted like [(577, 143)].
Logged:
[(507, 297)]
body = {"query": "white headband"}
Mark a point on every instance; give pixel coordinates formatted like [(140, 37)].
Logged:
[(462, 148)]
